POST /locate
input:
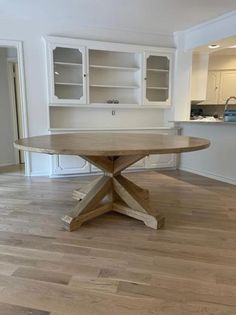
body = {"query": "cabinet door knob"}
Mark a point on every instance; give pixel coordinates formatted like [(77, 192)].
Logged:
[(85, 75), (145, 78)]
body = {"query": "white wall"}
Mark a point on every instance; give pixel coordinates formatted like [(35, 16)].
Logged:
[(218, 161), (224, 62), (186, 42), (35, 73), (182, 83), (6, 125)]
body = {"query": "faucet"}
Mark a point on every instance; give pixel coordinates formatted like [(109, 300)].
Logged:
[(227, 101)]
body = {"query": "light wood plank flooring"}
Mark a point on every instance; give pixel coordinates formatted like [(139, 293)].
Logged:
[(114, 264)]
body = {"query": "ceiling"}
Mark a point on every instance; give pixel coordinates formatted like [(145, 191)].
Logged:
[(225, 52), (151, 16), (223, 49)]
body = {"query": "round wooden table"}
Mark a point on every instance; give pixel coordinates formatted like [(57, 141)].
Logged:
[(112, 153)]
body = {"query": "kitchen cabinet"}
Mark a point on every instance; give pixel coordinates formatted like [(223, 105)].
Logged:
[(213, 87), (220, 86), (227, 86)]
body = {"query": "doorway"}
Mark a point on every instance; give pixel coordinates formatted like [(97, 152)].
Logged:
[(17, 121), (13, 118)]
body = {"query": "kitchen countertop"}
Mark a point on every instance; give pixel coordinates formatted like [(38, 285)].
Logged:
[(209, 122)]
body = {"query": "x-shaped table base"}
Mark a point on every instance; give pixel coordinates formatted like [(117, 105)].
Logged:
[(112, 192)]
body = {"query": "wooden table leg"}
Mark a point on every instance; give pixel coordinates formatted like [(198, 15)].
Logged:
[(110, 192)]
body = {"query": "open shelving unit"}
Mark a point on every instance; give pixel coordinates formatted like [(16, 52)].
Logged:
[(114, 76)]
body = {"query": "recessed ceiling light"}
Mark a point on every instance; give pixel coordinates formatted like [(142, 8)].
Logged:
[(234, 46), (214, 46)]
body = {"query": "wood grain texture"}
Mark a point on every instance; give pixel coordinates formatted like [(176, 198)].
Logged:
[(114, 264), (104, 144), (111, 192), (112, 153)]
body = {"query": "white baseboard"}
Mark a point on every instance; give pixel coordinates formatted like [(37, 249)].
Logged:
[(209, 175), (7, 164), (35, 174)]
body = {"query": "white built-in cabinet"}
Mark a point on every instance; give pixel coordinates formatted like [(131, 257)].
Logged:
[(93, 74), (157, 78), (220, 86), (71, 165), (67, 69)]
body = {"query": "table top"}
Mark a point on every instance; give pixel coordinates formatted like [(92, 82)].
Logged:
[(111, 144)]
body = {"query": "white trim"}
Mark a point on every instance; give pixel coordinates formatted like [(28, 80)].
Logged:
[(6, 164), (23, 102), (33, 173), (106, 45), (10, 76), (209, 175), (213, 30), (211, 21), (12, 59)]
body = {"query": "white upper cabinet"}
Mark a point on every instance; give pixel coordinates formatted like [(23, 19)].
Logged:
[(213, 86), (227, 85), (157, 78), (93, 73), (220, 86), (67, 74)]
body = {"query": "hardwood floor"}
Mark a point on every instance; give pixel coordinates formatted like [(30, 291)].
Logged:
[(115, 264)]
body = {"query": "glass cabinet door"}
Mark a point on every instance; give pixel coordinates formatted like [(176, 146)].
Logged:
[(69, 75), (157, 79)]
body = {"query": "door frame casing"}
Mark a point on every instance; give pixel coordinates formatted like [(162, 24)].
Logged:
[(23, 101)]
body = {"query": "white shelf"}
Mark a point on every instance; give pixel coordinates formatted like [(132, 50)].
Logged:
[(67, 63), (114, 68), (158, 70), (68, 83), (114, 86), (157, 88), (110, 106)]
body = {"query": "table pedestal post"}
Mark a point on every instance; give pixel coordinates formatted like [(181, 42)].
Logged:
[(112, 192)]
